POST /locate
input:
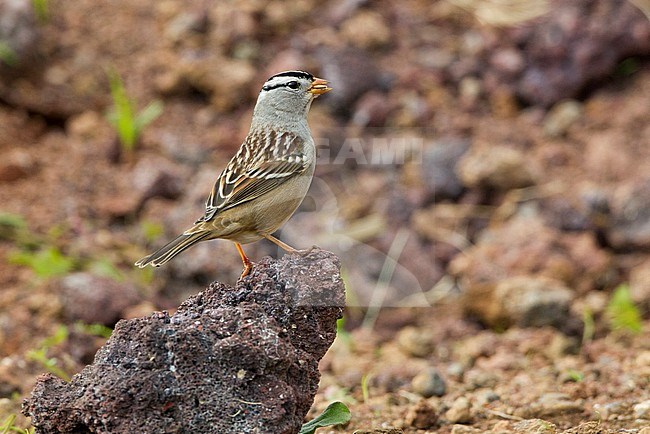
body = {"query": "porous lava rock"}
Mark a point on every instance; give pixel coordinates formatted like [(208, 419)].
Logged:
[(240, 359)]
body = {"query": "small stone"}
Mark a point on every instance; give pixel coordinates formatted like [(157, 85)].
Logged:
[(631, 216), (498, 166), (508, 61), (371, 110), (537, 426), (459, 412), (366, 29), (560, 118), (95, 299), (186, 23), (422, 416), (484, 397), (429, 383), (642, 410), (524, 301), (640, 286), (352, 72), (438, 168), (645, 430), (415, 342), (464, 429), (87, 125), (609, 410), (19, 32), (552, 404), (16, 164)]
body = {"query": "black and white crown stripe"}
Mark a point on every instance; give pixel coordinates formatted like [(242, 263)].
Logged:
[(291, 74)]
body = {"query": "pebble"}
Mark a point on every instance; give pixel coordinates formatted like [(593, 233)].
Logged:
[(95, 299), (459, 412), (640, 285), (429, 383), (523, 301), (415, 342), (553, 404), (560, 118), (631, 216), (16, 164), (464, 429), (352, 72), (422, 415), (438, 168), (498, 166), (537, 426), (366, 29), (609, 410), (19, 31), (642, 410)]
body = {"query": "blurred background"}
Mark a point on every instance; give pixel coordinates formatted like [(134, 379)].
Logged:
[(484, 175)]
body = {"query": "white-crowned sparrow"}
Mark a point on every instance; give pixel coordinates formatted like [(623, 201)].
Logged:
[(265, 182)]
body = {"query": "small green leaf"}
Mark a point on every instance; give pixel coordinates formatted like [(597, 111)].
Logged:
[(41, 10), (7, 54), (46, 263), (123, 116), (622, 312), (335, 414), (151, 230), (99, 330), (12, 220)]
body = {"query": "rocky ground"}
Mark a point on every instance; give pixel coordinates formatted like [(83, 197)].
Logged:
[(496, 263)]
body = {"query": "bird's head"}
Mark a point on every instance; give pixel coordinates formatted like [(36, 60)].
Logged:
[(290, 92)]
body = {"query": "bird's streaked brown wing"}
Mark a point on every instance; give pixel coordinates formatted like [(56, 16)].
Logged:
[(264, 161)]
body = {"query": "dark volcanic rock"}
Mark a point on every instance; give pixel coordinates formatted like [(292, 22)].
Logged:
[(230, 360)]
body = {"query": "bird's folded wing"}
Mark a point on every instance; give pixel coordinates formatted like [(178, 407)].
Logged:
[(236, 189)]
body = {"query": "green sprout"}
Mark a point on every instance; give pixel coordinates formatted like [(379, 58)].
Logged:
[(8, 426), (589, 325), (46, 263), (51, 364), (41, 10), (335, 414), (622, 312), (99, 330), (123, 116), (7, 54), (575, 376), (365, 380)]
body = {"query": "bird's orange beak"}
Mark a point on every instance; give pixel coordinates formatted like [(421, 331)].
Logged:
[(319, 87)]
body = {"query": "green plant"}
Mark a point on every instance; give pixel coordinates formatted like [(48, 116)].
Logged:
[(46, 263), (335, 414), (365, 380), (589, 325), (8, 426), (39, 355), (575, 376), (123, 116), (7, 54), (622, 312), (41, 10), (151, 230), (99, 330)]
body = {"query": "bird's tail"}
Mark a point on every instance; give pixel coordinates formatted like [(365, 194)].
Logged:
[(173, 248)]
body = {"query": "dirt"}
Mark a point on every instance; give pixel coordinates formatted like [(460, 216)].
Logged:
[(514, 216)]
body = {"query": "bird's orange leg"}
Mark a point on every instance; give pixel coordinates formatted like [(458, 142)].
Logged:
[(286, 247), (248, 265)]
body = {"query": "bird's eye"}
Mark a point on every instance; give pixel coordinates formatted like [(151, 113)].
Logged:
[(293, 85)]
